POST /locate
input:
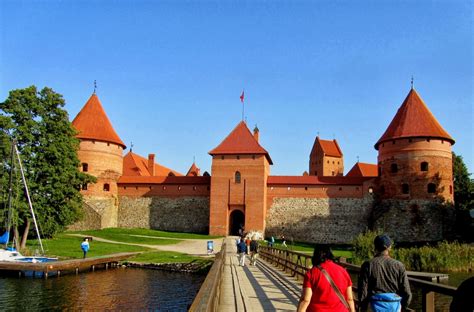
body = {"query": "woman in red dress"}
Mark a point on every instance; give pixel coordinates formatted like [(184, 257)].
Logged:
[(318, 293)]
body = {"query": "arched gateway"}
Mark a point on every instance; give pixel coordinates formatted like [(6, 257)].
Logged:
[(236, 222)]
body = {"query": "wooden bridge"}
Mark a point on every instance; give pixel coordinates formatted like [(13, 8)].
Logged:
[(275, 283)]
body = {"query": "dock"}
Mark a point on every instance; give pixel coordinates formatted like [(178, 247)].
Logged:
[(56, 268)]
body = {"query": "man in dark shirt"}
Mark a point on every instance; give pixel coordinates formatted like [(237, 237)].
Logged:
[(382, 278)]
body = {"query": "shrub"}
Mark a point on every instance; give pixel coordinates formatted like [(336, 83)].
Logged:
[(364, 246)]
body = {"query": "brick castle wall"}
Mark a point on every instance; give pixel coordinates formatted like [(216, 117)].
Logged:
[(318, 220), (180, 214)]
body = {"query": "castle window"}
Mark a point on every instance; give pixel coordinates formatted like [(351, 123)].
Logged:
[(442, 141), (333, 162), (380, 170), (171, 174), (328, 161), (150, 187), (340, 189), (222, 157), (431, 188), (338, 163), (85, 167), (394, 168), (238, 157), (108, 144), (106, 187), (84, 187), (253, 156), (332, 172), (424, 166), (393, 142), (237, 177), (305, 188), (450, 189), (427, 140), (405, 188), (124, 187)]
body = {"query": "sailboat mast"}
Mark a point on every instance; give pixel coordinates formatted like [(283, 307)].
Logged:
[(10, 189), (28, 197)]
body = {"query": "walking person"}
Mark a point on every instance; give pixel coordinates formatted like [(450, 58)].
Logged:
[(242, 251), (85, 246), (253, 251), (327, 286), (383, 281), (283, 241)]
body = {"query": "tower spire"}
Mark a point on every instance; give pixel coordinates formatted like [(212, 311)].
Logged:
[(95, 85), (412, 82)]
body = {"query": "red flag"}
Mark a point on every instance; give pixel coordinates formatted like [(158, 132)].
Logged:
[(242, 96)]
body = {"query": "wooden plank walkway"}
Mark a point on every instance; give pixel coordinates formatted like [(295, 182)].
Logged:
[(46, 269), (255, 288)]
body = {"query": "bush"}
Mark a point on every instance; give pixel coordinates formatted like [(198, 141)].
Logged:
[(364, 246)]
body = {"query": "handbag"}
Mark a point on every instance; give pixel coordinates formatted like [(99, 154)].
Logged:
[(333, 285)]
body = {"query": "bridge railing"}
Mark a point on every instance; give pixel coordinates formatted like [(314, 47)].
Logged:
[(298, 263), (207, 299)]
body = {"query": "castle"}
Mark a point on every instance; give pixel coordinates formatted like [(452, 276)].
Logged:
[(402, 194)]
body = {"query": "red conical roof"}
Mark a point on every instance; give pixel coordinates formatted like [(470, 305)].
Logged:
[(93, 124), (240, 141), (136, 165), (413, 119)]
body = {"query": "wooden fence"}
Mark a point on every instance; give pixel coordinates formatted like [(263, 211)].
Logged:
[(297, 263)]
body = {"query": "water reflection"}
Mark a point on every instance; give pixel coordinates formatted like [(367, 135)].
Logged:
[(118, 289)]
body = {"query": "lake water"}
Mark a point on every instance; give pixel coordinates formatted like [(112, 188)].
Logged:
[(122, 289)]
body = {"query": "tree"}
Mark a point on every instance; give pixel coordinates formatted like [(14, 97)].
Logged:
[(48, 147), (463, 185)]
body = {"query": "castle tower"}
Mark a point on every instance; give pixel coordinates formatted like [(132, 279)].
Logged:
[(100, 153), (326, 158), (240, 168), (415, 160)]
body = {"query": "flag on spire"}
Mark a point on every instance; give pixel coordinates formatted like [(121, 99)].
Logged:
[(242, 96)]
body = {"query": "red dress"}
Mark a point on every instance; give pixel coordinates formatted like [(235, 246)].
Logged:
[(324, 297)]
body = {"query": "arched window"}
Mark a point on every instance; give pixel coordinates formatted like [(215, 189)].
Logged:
[(85, 167), (394, 168), (84, 187), (431, 188), (405, 188), (450, 189), (106, 187), (424, 166), (171, 174), (237, 177)]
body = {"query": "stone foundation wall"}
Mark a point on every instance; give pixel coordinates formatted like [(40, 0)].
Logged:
[(414, 220), (318, 220), (183, 214), (99, 212)]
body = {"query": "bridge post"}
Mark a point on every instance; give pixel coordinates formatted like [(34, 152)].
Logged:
[(428, 303)]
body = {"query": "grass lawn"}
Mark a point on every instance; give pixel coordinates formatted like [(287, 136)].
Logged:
[(69, 247), (65, 246), (143, 236)]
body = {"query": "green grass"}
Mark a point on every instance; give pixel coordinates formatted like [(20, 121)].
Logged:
[(309, 248), (137, 232), (65, 246), (166, 257), (69, 247)]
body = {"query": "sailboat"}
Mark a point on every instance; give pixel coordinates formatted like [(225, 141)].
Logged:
[(10, 254)]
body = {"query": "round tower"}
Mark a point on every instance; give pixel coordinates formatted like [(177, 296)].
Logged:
[(100, 153), (415, 159)]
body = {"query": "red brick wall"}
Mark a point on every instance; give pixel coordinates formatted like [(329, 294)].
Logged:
[(408, 154), (105, 162), (165, 190), (251, 192)]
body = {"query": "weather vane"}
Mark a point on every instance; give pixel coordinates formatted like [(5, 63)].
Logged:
[(131, 146), (412, 81), (95, 85)]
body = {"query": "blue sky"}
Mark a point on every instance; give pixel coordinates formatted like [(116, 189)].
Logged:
[(170, 73)]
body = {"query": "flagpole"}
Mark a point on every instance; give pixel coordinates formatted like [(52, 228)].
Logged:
[(242, 99)]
